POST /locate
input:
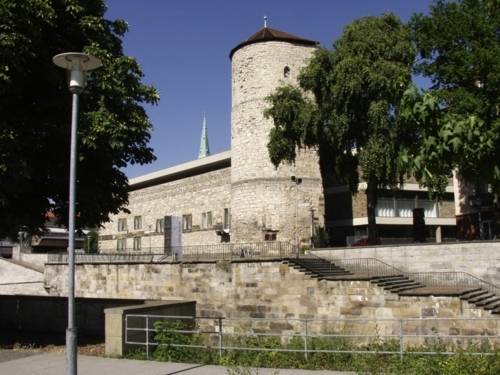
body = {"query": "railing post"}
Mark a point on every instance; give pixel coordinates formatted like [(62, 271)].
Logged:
[(401, 345), (220, 337), (126, 329), (147, 337), (306, 356)]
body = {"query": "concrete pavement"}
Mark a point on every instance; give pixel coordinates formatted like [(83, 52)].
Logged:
[(54, 364)]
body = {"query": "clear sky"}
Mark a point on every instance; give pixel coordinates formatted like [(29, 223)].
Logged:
[(183, 47)]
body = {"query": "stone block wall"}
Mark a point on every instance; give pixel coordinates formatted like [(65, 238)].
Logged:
[(255, 290), (258, 189), (276, 204), (191, 195)]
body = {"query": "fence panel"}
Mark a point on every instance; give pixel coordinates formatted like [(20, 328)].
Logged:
[(443, 336)]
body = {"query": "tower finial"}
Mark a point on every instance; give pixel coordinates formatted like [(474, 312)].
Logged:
[(265, 21), (204, 148)]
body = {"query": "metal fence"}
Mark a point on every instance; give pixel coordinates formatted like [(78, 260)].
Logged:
[(193, 253), (409, 336), (107, 258), (235, 251)]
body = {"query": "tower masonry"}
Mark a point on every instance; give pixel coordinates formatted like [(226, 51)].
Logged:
[(265, 202)]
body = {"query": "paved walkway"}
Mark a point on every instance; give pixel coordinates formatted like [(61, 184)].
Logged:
[(13, 363)]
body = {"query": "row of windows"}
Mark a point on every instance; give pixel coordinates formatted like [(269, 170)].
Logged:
[(187, 222), (121, 244), (206, 221), (395, 207), (122, 224)]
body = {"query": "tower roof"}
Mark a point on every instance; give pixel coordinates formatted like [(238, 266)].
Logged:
[(267, 34), (204, 148)]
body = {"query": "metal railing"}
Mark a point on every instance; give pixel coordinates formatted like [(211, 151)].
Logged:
[(214, 252), (461, 280), (135, 257), (235, 251), (372, 267), (421, 336)]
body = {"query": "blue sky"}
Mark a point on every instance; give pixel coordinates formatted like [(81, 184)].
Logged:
[(183, 48)]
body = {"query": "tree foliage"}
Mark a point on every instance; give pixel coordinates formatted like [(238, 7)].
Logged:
[(35, 108), (459, 49), (351, 118)]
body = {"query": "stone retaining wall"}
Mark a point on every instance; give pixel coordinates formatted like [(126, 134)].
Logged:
[(270, 290), (481, 259)]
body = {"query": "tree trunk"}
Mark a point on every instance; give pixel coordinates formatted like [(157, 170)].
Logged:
[(371, 204), (326, 167)]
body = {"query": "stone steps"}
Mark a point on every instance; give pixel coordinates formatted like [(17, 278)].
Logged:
[(482, 297), (400, 284), (488, 301)]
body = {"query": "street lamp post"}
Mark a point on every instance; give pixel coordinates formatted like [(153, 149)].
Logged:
[(77, 64)]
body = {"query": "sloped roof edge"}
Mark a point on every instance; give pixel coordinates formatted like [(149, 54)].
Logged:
[(267, 34)]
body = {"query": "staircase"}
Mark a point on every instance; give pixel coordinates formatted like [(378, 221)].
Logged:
[(449, 284), (319, 268)]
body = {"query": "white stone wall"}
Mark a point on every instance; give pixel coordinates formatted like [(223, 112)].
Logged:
[(260, 193), (16, 279), (192, 195), (481, 259)]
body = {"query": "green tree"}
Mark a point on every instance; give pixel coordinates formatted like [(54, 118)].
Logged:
[(352, 119), (35, 108), (459, 49)]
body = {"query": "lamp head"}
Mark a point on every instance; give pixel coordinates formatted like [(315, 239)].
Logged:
[(77, 64)]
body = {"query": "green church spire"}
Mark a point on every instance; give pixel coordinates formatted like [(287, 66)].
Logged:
[(204, 149)]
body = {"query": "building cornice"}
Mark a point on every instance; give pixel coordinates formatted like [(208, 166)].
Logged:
[(188, 169)]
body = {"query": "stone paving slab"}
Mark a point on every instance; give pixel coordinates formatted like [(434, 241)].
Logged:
[(54, 364), (9, 355)]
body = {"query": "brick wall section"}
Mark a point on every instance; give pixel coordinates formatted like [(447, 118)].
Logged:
[(256, 290), (263, 197), (192, 195)]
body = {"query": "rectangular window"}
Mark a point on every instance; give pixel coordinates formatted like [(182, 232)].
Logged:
[(270, 236), (122, 225), (405, 207), (137, 222), (121, 244), (385, 207), (137, 243), (206, 220), (160, 224), (227, 218), (430, 207), (187, 222)]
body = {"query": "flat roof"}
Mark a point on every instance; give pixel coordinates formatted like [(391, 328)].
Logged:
[(190, 168)]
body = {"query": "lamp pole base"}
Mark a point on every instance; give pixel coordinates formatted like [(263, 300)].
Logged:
[(71, 365)]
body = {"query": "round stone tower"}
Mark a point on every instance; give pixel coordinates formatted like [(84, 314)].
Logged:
[(283, 204)]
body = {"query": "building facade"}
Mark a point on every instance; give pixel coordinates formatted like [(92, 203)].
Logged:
[(239, 196)]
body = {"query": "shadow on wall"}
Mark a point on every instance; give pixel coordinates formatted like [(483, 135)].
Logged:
[(40, 320)]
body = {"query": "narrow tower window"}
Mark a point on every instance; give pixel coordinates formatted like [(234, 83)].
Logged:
[(286, 72)]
